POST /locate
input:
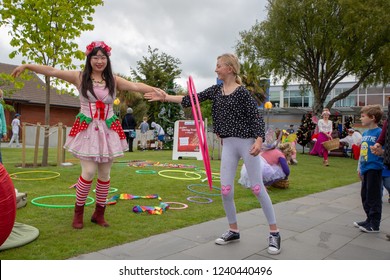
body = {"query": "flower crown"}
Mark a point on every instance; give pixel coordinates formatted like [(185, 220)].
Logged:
[(98, 44)]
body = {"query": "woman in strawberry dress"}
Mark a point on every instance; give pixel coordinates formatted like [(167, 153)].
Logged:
[(96, 137)]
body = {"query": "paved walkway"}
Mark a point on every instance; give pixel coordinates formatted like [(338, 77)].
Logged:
[(315, 227)]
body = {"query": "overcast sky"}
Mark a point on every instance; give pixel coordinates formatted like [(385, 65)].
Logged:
[(195, 32)]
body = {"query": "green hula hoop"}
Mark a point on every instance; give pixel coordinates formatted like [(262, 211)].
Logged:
[(198, 176), (34, 201), (145, 171), (14, 177), (190, 187), (111, 190)]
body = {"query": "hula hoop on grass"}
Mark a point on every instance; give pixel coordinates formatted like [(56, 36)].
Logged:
[(194, 199), (190, 187), (146, 171), (111, 190), (14, 177), (184, 206), (34, 201), (198, 176)]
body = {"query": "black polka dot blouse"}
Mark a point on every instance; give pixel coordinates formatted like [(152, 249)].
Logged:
[(234, 115)]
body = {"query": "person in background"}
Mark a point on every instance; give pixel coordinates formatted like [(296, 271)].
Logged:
[(128, 125), (144, 128), (159, 131), (352, 141), (239, 124), (96, 137), (370, 168), (3, 124), (15, 124), (291, 129), (325, 128)]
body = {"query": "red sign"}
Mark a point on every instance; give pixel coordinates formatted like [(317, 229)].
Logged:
[(188, 138)]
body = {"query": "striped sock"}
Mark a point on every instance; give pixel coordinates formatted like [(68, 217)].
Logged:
[(82, 190), (102, 189)]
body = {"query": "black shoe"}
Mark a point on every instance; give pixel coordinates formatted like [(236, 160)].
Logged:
[(274, 244), (227, 237), (360, 224), (369, 228)]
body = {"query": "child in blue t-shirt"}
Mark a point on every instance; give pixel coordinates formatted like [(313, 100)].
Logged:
[(370, 168)]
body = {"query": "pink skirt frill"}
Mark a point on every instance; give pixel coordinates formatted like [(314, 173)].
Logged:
[(96, 143)]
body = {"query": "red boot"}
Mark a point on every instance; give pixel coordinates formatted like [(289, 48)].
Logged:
[(98, 216), (78, 217)]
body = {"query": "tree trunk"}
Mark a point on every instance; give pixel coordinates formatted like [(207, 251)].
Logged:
[(45, 154)]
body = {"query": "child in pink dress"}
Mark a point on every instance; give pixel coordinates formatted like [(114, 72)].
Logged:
[(96, 137)]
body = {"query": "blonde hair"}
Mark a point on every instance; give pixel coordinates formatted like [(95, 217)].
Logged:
[(373, 111), (287, 149), (145, 118), (232, 61)]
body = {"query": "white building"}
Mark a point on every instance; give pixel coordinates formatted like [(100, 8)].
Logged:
[(290, 104)]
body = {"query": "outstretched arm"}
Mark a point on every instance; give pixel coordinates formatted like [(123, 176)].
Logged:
[(70, 76), (162, 96)]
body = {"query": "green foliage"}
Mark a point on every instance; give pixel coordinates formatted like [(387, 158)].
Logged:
[(321, 43), (44, 31), (58, 240), (252, 77), (160, 70)]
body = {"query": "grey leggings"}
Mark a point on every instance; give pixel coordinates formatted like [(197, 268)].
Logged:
[(232, 150)]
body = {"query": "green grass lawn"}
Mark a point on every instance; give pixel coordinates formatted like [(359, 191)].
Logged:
[(58, 240)]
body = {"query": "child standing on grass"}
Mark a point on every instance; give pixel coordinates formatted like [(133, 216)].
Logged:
[(144, 127), (370, 168), (238, 122)]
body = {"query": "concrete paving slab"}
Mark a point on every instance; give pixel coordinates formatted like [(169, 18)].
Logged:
[(316, 227)]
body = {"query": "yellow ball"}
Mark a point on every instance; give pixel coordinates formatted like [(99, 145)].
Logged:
[(117, 101)]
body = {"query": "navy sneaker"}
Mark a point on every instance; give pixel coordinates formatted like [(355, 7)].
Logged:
[(360, 224), (227, 237), (369, 228), (274, 244)]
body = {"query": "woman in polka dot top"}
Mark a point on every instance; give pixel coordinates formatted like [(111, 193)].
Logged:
[(237, 120), (96, 137)]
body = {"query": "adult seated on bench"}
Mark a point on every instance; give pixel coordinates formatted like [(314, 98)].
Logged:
[(352, 141)]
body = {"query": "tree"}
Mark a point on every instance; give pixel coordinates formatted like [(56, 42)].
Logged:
[(43, 32), (160, 70), (304, 132), (252, 77), (321, 42)]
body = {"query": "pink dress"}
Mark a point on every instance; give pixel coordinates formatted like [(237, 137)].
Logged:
[(97, 134)]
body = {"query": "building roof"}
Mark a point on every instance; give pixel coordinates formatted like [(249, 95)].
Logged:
[(34, 92)]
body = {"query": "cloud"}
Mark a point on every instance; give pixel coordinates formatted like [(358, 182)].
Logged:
[(195, 32)]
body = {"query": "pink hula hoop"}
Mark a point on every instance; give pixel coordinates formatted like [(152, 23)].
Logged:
[(200, 129)]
